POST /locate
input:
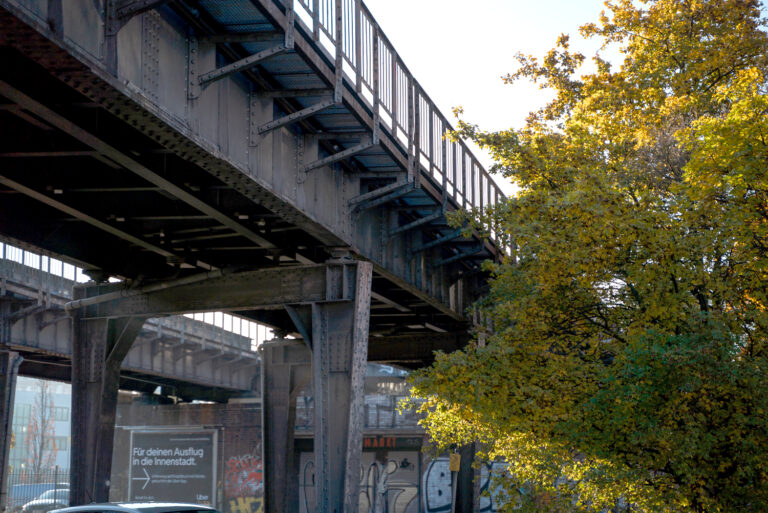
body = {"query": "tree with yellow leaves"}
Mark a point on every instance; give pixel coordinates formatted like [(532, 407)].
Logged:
[(629, 355)]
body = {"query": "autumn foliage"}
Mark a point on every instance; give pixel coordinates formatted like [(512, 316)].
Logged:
[(629, 356)]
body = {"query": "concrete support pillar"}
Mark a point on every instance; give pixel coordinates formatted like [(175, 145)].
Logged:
[(9, 368), (286, 369), (339, 355), (98, 348)]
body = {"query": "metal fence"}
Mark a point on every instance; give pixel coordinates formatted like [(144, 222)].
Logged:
[(349, 35), (380, 412), (24, 486)]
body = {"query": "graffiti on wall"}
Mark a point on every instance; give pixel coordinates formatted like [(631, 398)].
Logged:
[(438, 493), (246, 505), (490, 495), (392, 486), (437, 486), (389, 487), (244, 484)]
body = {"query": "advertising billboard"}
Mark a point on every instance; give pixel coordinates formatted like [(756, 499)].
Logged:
[(173, 466)]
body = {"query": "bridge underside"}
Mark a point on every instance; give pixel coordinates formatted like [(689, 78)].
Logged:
[(81, 162), (70, 193), (224, 140)]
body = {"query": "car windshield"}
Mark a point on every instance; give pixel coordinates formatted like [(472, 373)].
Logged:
[(55, 494)]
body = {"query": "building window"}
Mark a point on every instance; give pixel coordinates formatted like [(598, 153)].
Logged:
[(60, 443), (60, 413), (21, 413)]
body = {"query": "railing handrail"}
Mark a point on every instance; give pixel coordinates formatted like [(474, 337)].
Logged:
[(464, 180)]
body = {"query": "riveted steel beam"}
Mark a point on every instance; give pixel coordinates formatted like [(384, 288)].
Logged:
[(47, 154), (9, 368), (301, 315), (296, 116), (377, 192), (336, 157), (380, 196), (129, 8), (286, 370), (245, 63), (413, 348), (248, 37), (266, 288), (455, 234), (99, 347), (460, 256), (296, 93), (127, 162), (415, 224), (47, 200), (339, 354), (118, 13), (389, 302)]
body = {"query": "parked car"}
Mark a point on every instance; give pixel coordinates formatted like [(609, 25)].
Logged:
[(138, 507), (47, 501), (20, 494)]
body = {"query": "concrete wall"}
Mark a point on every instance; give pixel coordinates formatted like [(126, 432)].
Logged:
[(415, 482)]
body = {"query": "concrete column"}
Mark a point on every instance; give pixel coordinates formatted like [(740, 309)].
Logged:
[(9, 368), (286, 369), (98, 348), (339, 355)]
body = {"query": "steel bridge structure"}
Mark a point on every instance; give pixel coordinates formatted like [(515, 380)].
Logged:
[(187, 358), (274, 158)]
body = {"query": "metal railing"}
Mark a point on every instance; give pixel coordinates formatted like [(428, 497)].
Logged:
[(26, 485), (379, 412), (346, 31)]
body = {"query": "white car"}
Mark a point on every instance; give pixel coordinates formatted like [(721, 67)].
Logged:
[(47, 501), (138, 507)]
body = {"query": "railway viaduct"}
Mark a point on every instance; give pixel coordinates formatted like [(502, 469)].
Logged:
[(273, 158)]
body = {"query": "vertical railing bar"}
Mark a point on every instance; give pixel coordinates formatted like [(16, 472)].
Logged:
[(460, 175), (376, 113), (482, 187), (463, 176), (417, 135), (444, 154), (316, 20), (411, 131), (455, 165), (431, 111), (488, 190), (499, 222), (358, 45), (289, 23), (470, 177), (395, 116), (337, 92)]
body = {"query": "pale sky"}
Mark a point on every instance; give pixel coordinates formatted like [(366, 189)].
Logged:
[(459, 49)]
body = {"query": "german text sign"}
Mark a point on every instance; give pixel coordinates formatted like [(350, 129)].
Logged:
[(173, 466)]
